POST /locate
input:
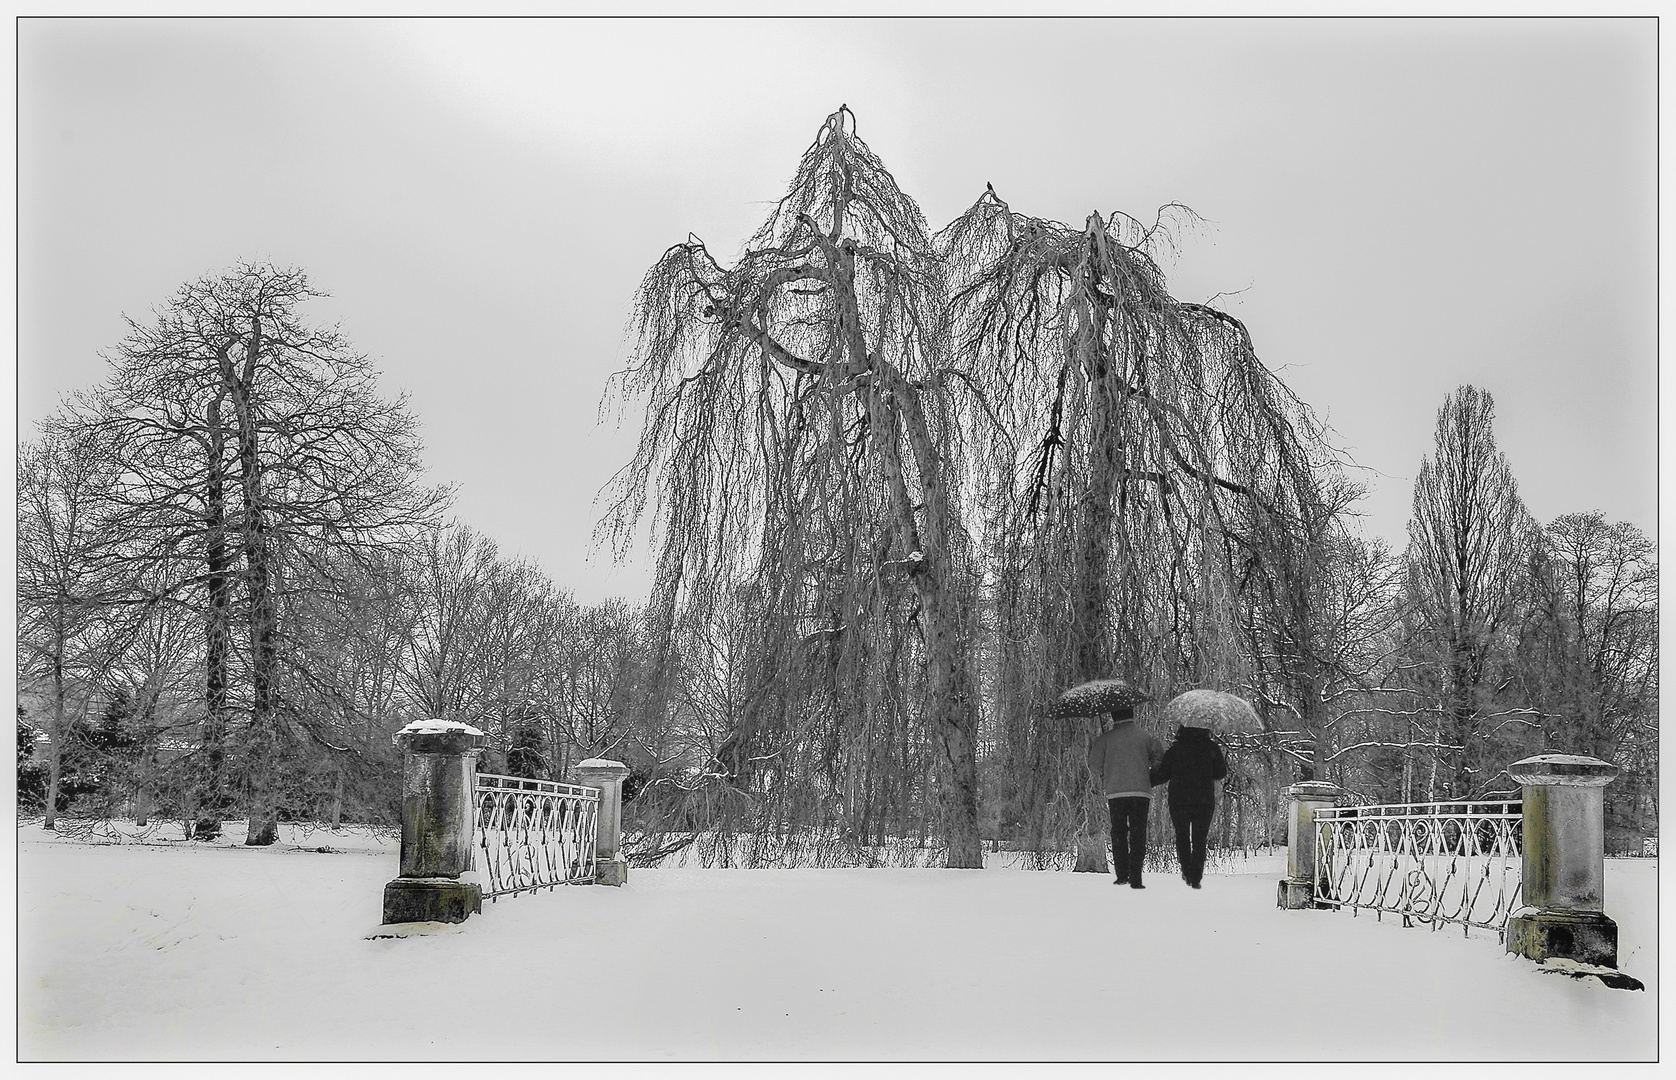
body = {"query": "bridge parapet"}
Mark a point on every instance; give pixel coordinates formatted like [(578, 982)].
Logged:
[(1534, 870)]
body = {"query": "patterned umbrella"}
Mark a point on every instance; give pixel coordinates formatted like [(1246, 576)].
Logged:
[(1213, 709), (1096, 698)]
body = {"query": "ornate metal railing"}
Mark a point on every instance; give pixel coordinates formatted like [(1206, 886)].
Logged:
[(532, 834), (1436, 863)]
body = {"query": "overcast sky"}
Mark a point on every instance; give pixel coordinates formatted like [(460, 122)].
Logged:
[(1394, 208)]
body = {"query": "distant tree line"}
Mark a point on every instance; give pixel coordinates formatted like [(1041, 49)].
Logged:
[(906, 487)]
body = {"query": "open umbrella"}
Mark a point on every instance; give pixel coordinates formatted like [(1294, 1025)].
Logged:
[(1220, 712), (1096, 698)]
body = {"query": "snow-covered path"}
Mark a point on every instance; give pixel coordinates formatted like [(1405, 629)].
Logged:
[(145, 952)]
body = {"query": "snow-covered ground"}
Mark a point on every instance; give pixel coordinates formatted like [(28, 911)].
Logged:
[(140, 951)]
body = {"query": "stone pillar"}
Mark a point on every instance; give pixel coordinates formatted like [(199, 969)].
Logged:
[(1297, 888), (1564, 871), (611, 868), (439, 812)]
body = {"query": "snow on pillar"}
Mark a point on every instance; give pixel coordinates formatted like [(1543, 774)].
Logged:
[(611, 868), (1564, 869), (1297, 888), (439, 787)]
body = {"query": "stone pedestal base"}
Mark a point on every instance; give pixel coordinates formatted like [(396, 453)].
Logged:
[(1293, 895), (408, 900), (611, 872), (1587, 937)]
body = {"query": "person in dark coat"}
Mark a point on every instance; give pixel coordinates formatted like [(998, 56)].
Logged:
[(1122, 759), (1191, 766)]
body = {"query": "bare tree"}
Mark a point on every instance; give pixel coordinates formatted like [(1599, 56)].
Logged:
[(1599, 598), (156, 669), (447, 582), (1144, 469), (346, 619), (1469, 545), (599, 649), (1323, 631), (62, 550), (1588, 656), (798, 427), (519, 638), (247, 438), (165, 424)]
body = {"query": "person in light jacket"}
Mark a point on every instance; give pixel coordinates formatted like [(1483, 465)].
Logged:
[(1122, 759), (1192, 766)]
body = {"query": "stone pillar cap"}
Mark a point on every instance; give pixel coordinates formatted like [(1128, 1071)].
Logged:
[(1571, 769), (597, 771), (438, 737), (1314, 789)]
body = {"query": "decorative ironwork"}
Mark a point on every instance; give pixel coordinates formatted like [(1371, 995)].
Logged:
[(1436, 863), (534, 834)]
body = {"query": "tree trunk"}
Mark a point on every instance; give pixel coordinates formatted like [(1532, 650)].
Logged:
[(1091, 593), (1271, 801), (948, 701), (1408, 763), (142, 790), (210, 796), (1431, 775), (1316, 721), (55, 746), (1091, 850), (263, 828)]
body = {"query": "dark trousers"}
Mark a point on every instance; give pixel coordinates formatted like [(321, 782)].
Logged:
[(1129, 836), (1192, 822)]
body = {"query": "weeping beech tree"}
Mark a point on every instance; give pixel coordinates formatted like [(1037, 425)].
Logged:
[(1148, 480), (804, 445)]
